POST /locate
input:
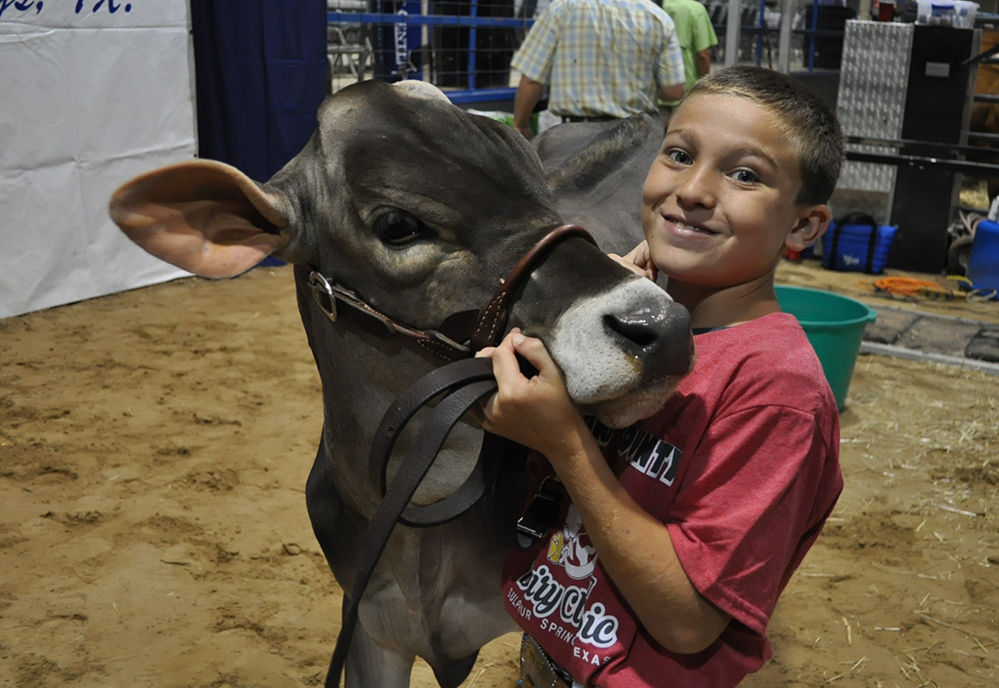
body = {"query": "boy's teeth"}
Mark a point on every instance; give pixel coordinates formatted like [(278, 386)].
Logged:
[(693, 228)]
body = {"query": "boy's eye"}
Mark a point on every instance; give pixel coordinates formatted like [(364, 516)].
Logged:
[(746, 177), (678, 156)]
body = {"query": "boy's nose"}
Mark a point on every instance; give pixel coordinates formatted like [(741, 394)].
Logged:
[(697, 187)]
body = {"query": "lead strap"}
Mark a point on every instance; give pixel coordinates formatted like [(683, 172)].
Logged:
[(541, 513)]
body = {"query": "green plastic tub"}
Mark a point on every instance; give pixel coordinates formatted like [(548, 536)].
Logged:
[(834, 325)]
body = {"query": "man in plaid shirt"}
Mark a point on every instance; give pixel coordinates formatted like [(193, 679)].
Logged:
[(602, 59)]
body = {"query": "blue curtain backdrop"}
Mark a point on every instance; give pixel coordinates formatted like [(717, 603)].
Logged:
[(261, 73)]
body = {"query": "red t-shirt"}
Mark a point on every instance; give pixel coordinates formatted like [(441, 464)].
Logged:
[(742, 465)]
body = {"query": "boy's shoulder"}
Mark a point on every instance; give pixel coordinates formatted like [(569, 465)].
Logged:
[(774, 339), (768, 358), (758, 334)]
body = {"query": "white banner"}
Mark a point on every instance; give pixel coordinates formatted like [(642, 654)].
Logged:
[(92, 93)]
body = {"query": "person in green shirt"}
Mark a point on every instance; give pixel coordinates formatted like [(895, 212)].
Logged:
[(697, 37)]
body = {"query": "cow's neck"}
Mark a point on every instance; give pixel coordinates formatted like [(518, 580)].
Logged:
[(362, 372)]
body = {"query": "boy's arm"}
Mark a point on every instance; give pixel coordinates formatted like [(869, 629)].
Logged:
[(635, 548)]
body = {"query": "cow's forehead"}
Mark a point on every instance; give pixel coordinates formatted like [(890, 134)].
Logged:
[(390, 145), (395, 101), (374, 112)]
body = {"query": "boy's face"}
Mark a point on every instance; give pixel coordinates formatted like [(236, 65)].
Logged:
[(719, 203)]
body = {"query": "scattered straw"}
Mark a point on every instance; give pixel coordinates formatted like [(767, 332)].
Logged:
[(951, 626), (954, 511), (474, 680), (939, 642), (938, 621), (849, 632), (906, 673), (924, 648), (901, 572)]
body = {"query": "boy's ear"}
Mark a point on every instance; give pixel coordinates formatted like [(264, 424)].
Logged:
[(813, 221)]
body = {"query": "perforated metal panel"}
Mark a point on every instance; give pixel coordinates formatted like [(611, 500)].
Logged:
[(872, 91)]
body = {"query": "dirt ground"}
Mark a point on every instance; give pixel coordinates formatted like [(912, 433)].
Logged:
[(154, 447)]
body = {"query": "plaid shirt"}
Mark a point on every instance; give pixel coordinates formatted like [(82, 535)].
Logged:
[(602, 57)]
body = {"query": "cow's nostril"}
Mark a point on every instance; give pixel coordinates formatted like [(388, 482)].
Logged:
[(661, 338), (639, 329)]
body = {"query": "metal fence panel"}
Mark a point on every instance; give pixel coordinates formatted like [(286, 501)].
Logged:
[(872, 91)]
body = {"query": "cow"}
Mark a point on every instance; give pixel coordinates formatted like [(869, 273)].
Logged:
[(595, 171), (421, 210)]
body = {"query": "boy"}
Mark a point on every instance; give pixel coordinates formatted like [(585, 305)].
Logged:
[(669, 579)]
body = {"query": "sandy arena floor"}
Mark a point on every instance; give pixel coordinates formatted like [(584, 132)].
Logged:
[(154, 447)]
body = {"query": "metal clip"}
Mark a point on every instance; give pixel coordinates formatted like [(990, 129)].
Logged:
[(541, 514), (322, 292)]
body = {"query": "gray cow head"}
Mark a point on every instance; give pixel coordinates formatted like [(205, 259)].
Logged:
[(422, 209)]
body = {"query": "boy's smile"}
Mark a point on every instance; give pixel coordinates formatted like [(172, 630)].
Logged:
[(720, 200)]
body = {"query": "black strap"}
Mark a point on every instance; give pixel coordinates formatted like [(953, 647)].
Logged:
[(460, 376), (871, 246), (464, 382), (834, 248), (858, 217), (542, 512)]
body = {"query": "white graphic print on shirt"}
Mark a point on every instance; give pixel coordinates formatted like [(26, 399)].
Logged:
[(548, 597), (571, 549)]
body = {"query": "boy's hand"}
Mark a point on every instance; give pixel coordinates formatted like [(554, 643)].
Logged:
[(639, 261), (536, 412)]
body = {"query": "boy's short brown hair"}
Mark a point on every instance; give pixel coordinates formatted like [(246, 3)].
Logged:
[(812, 126)]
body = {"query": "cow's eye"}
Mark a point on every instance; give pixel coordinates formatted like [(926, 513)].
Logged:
[(397, 227)]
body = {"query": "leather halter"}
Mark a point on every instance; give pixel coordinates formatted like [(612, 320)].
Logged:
[(458, 336), (463, 382)]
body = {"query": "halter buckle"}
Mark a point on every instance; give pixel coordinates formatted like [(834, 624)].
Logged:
[(322, 292)]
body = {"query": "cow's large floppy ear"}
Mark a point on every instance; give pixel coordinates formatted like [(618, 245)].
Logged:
[(203, 216)]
